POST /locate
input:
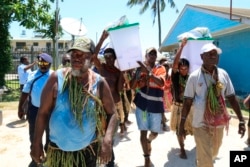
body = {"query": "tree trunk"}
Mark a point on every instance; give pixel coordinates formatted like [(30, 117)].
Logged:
[(159, 21)]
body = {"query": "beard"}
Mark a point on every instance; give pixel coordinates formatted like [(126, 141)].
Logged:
[(79, 72)]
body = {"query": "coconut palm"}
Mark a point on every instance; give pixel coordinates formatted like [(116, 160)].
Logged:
[(157, 7)]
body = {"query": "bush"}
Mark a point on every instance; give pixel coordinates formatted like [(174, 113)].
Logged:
[(11, 95)]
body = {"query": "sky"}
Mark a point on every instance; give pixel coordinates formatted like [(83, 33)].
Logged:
[(97, 14)]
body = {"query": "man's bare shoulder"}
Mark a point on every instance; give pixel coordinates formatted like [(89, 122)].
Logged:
[(107, 69)]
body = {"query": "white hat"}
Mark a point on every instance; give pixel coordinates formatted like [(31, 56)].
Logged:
[(150, 50), (210, 46)]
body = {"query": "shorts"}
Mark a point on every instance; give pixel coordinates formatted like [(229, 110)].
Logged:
[(148, 121)]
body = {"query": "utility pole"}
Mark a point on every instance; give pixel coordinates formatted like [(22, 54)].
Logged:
[(231, 12), (231, 9), (57, 37)]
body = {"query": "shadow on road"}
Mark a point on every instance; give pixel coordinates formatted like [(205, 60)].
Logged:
[(17, 124), (175, 161), (121, 138)]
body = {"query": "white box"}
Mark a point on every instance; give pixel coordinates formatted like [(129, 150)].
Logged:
[(126, 42), (191, 52)]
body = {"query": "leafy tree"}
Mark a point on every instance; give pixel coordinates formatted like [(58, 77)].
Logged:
[(30, 14), (5, 59), (157, 7), (53, 31)]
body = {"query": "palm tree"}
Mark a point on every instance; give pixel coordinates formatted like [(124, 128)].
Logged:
[(157, 7)]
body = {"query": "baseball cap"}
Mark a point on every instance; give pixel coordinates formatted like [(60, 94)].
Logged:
[(150, 50), (45, 57), (83, 44), (210, 46)]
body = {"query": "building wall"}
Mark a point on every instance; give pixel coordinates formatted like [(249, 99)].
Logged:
[(235, 59), (42, 43), (192, 18)]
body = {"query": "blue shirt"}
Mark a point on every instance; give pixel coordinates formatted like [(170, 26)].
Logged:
[(37, 86), (65, 131)]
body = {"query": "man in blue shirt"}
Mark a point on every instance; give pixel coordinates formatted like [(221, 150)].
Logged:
[(33, 90), (77, 105)]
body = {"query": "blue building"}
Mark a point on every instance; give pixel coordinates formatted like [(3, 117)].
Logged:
[(230, 28)]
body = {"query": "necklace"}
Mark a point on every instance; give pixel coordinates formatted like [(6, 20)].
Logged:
[(78, 94), (183, 80)]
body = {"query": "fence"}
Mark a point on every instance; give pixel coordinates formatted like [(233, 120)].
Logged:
[(11, 77)]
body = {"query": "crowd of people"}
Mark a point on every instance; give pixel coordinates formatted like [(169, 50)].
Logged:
[(86, 100)]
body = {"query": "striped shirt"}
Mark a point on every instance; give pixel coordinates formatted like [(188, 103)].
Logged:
[(150, 98)]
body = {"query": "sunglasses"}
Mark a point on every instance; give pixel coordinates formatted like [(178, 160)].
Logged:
[(43, 63)]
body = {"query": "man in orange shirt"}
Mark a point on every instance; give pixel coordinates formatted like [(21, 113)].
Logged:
[(149, 81)]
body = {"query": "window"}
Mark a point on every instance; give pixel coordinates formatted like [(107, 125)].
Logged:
[(48, 45), (20, 45), (60, 45), (35, 44)]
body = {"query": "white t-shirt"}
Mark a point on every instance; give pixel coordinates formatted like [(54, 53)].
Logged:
[(22, 74), (196, 88)]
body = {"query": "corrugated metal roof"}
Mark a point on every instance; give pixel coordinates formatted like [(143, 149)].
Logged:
[(235, 11)]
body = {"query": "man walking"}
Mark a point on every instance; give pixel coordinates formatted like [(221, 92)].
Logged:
[(149, 82), (206, 89), (33, 90)]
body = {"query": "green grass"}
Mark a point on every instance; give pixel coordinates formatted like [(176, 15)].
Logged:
[(13, 92), (244, 111), (13, 84), (11, 95)]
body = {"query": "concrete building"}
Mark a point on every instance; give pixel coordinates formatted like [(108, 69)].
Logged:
[(25, 43)]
